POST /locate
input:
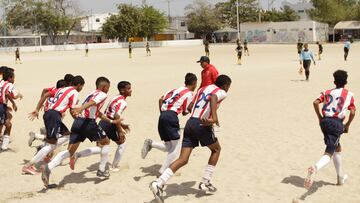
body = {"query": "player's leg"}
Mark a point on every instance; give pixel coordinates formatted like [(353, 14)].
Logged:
[(104, 157), (173, 149), (341, 177), (5, 121)]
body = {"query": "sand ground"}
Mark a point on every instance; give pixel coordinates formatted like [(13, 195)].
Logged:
[(269, 132)]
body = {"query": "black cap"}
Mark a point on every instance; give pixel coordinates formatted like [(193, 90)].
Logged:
[(203, 59)]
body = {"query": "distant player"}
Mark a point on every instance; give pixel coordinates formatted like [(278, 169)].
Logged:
[(130, 50), (171, 104), (299, 46), (207, 49), (115, 132), (239, 50), (17, 56), (305, 59), (7, 92), (86, 49), (199, 129), (335, 104), (209, 72), (320, 50), (148, 51), (246, 49), (346, 49)]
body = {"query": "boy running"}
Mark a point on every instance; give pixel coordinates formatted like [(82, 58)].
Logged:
[(299, 46), (199, 128), (207, 50), (320, 49), (246, 49), (346, 48), (86, 49), (130, 50), (305, 59), (335, 104), (239, 50), (17, 56), (148, 51), (171, 104)]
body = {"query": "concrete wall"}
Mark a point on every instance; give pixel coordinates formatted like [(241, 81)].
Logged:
[(114, 45), (284, 32)]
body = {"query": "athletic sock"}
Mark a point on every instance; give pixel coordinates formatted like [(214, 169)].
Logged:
[(58, 159), (324, 160), (39, 136), (62, 140), (209, 170), (118, 154), (88, 152), (161, 181), (337, 163), (40, 155), (6, 141), (104, 156), (159, 145), (173, 148)]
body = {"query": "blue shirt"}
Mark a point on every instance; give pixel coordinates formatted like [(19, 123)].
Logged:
[(306, 55), (347, 44)]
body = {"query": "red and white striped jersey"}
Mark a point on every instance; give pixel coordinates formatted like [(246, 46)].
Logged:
[(202, 98), (47, 102), (63, 98), (177, 100), (6, 88), (116, 106), (336, 102), (99, 98)]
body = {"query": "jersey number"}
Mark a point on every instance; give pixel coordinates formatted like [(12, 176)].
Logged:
[(171, 98), (329, 99), (203, 97), (53, 100)]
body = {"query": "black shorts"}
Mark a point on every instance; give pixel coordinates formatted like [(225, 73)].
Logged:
[(195, 133), (239, 55), (306, 64), (110, 130), (320, 51), (85, 128), (346, 50), (3, 116), (54, 125), (207, 50), (86, 50), (332, 129), (168, 126)]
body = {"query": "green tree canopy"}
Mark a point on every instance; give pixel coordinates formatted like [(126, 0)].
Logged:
[(152, 22), (284, 14)]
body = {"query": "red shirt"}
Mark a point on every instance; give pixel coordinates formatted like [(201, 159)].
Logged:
[(208, 75)]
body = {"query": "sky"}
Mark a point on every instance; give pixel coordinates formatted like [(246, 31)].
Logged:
[(176, 6)]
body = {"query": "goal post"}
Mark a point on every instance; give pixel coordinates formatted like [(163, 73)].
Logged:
[(9, 43)]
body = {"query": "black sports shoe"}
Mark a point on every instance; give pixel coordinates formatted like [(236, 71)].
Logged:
[(207, 187), (103, 174)]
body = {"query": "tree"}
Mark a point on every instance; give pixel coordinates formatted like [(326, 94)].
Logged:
[(201, 18), (284, 14), (152, 21)]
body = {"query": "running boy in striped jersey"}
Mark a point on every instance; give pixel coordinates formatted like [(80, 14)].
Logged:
[(335, 104), (172, 103), (199, 129), (7, 92), (115, 132)]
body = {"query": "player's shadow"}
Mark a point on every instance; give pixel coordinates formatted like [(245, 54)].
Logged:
[(152, 170), (298, 80), (299, 182)]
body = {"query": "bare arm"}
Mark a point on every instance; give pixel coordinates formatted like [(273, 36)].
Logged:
[(161, 101), (351, 118), (12, 101), (35, 113), (77, 111), (213, 109), (316, 104)]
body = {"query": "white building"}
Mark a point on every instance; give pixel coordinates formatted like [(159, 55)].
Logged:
[(284, 32), (179, 26), (94, 22), (300, 8)]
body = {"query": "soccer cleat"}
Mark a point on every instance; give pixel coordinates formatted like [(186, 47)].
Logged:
[(103, 174), (45, 175), (146, 148), (157, 191), (29, 170), (31, 138), (342, 180), (309, 179), (207, 187)]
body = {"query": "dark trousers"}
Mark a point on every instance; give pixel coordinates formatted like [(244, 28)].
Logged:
[(346, 51), (306, 65)]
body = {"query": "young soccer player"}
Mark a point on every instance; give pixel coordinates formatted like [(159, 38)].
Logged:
[(130, 50), (115, 132), (299, 46), (305, 59), (17, 56), (335, 104), (7, 92), (246, 49), (172, 103), (207, 50), (86, 49), (239, 50), (199, 129), (320, 49), (148, 51), (85, 126), (346, 48)]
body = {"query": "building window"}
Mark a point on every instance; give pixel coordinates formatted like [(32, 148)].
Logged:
[(310, 29), (182, 24), (301, 11), (97, 20)]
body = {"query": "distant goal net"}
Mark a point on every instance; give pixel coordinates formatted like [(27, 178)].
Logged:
[(10, 43)]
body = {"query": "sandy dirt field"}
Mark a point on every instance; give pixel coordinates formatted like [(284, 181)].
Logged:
[(269, 132)]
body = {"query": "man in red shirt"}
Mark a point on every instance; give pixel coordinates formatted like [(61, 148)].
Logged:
[(209, 72)]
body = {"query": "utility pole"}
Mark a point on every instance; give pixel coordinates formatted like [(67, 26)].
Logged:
[(168, 1), (259, 11), (237, 20)]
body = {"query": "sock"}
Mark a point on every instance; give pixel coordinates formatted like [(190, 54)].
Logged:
[(209, 170), (41, 154), (324, 160), (118, 154), (159, 145), (58, 159), (88, 152), (62, 140), (337, 163), (39, 136), (6, 141), (104, 156), (161, 181), (173, 148)]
